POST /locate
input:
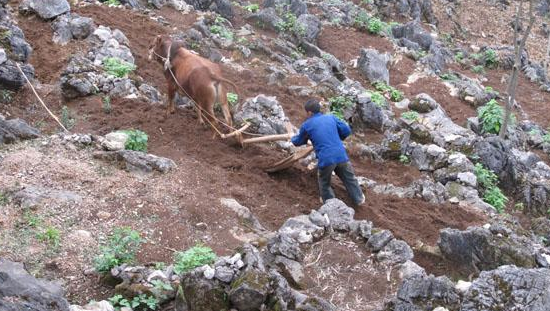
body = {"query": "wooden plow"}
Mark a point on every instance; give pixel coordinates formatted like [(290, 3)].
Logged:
[(279, 165)]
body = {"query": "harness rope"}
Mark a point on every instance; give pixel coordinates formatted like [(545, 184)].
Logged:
[(168, 66)]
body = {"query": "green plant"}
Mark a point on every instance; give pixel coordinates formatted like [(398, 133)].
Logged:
[(252, 8), (404, 159), (489, 89), (478, 69), (366, 2), (375, 25), (419, 54), (338, 104), (546, 138), (106, 104), (519, 206), (491, 116), (410, 115), (159, 287), (143, 302), (288, 22), (117, 67), (449, 77), (6, 96), (232, 98), (396, 95), (112, 2), (382, 86), (490, 58), (121, 247), (459, 57), (3, 198), (50, 235), (137, 140), (362, 20), (378, 99), (196, 256), (66, 119), (488, 180), (159, 265), (31, 220)]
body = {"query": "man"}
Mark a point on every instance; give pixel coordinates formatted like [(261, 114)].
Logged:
[(326, 132)]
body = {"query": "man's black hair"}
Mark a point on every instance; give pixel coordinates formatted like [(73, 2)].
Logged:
[(312, 105)]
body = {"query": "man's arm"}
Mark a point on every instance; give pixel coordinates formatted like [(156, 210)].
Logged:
[(301, 138), (343, 128)]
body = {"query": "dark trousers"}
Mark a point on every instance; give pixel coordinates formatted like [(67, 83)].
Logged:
[(344, 171)]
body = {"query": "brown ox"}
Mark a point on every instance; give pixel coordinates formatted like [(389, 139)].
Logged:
[(200, 78)]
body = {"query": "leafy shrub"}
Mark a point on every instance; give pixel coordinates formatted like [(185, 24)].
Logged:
[(141, 301), (491, 116), (487, 180), (192, 258), (112, 2), (459, 57), (252, 8), (6, 96), (546, 138), (449, 77), (137, 140), (3, 198), (410, 115), (338, 104), (106, 104), (159, 287), (121, 247), (490, 58), (396, 95), (378, 99), (66, 119), (404, 159), (288, 23), (362, 20), (117, 67), (478, 69), (382, 86), (232, 98), (375, 25), (51, 236), (221, 31)]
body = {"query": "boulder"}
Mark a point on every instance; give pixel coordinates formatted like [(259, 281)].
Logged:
[(102, 305), (395, 144), (396, 251), (12, 39), (296, 7), (21, 291), (265, 18), (316, 69), (265, 114), (422, 292), (428, 157), (223, 7), (509, 288), (3, 56), (362, 228), (284, 245), (291, 270), (80, 78), (307, 27), (373, 65), (32, 196), (46, 9), (413, 32), (249, 291), (16, 129), (11, 78), (315, 304), (114, 141), (339, 214), (479, 248), (380, 239), (423, 103), (202, 294), (301, 229), (372, 115), (136, 161)]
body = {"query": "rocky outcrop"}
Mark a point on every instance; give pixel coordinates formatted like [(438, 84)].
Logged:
[(265, 114), (71, 26), (46, 9), (136, 161), (374, 66), (15, 130), (21, 291)]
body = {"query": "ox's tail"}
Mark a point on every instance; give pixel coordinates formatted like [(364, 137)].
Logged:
[(220, 79), (224, 106)]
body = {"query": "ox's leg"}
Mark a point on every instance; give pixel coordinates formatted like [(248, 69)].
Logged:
[(225, 106), (199, 113), (171, 106)]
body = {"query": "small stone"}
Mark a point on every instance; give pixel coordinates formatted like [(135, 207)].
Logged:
[(454, 200), (239, 264), (103, 215), (115, 141), (201, 226), (224, 274), (378, 240), (234, 259), (209, 272), (440, 309), (463, 286), (3, 57), (157, 275)]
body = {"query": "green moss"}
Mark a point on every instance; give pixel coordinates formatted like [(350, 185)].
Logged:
[(253, 279)]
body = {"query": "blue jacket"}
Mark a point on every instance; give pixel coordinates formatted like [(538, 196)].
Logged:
[(326, 132)]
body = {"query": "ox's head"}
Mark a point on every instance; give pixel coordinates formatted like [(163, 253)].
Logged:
[(158, 49)]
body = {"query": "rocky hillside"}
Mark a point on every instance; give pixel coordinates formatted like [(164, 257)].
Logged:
[(120, 207)]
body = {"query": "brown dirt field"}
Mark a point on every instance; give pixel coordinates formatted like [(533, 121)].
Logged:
[(346, 43), (456, 109), (533, 101)]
